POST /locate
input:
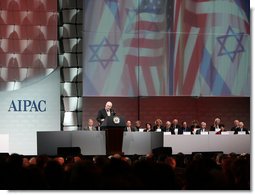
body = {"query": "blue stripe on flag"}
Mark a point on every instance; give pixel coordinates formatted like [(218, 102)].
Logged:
[(211, 76)]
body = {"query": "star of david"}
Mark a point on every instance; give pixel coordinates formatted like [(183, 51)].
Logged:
[(231, 44), (104, 47)]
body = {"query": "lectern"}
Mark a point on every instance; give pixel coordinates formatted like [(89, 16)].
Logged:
[(114, 127)]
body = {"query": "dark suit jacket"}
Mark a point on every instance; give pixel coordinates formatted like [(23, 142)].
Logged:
[(86, 128), (238, 129), (180, 131), (234, 128), (199, 131), (212, 128), (102, 114), (188, 129), (132, 129), (137, 128), (155, 128), (175, 127), (167, 129)]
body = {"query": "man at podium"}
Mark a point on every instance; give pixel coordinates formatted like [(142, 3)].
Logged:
[(106, 111), (113, 127)]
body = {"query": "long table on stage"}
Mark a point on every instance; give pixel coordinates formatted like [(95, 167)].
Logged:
[(141, 143), (93, 142), (208, 143)]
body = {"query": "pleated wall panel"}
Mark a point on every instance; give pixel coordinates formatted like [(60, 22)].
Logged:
[(70, 60), (28, 40)]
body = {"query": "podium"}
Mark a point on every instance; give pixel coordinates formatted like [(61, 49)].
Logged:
[(114, 127)]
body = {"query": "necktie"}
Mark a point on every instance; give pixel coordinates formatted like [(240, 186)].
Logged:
[(108, 113)]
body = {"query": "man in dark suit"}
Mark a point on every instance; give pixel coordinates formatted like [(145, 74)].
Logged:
[(185, 128), (202, 129), (236, 125), (167, 127), (241, 128), (175, 127), (106, 111), (90, 126), (129, 127), (137, 125)]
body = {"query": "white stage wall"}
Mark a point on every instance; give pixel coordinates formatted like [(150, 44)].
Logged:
[(21, 122)]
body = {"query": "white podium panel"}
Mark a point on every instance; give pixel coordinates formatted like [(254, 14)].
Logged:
[(4, 143), (136, 143), (230, 143), (93, 142), (186, 143), (141, 143), (90, 142), (208, 143)]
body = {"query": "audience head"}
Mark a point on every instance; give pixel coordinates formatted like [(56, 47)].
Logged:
[(60, 160), (171, 162), (26, 162), (219, 158), (32, 161)]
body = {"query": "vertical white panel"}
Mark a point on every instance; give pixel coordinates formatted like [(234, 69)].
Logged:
[(21, 126)]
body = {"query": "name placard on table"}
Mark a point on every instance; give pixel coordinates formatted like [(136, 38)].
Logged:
[(225, 133)]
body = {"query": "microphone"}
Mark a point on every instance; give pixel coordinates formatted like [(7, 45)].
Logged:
[(113, 112)]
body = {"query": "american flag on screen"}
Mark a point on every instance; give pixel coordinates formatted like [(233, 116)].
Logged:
[(147, 60), (166, 47)]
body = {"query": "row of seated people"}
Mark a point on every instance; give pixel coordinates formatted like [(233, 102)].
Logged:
[(175, 128), (194, 128)]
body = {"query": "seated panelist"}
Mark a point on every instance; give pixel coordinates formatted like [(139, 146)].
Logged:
[(202, 129), (90, 126), (129, 127), (158, 125), (241, 128)]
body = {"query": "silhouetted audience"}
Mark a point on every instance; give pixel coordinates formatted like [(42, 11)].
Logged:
[(161, 171)]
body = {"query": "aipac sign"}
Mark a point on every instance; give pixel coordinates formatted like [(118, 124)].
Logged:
[(27, 106)]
